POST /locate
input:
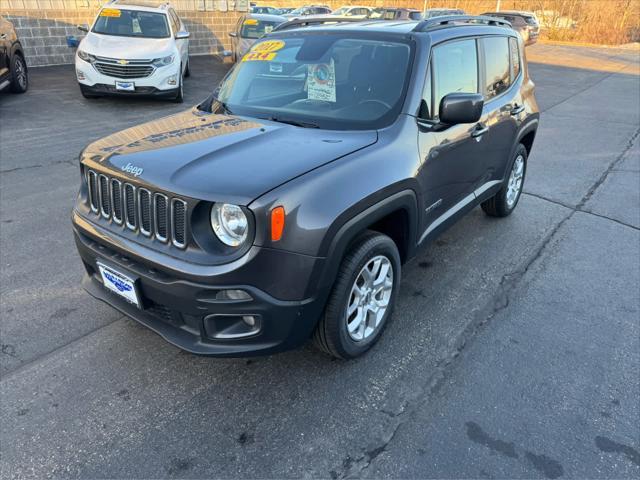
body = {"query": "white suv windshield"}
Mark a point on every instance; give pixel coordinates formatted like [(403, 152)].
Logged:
[(131, 23), (330, 81)]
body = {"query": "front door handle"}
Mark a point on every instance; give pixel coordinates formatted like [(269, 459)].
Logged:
[(517, 109), (479, 130), (3, 36)]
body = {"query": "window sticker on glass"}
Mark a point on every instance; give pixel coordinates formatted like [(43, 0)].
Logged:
[(268, 29), (259, 56), (275, 67), (110, 12), (251, 21), (322, 82), (268, 46)]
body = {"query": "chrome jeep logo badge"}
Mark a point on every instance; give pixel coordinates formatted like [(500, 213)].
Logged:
[(132, 169), (123, 62)]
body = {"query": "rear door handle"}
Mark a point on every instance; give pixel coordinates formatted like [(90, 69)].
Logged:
[(517, 109), (479, 130)]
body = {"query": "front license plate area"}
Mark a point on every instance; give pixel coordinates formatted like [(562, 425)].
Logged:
[(119, 283), (126, 86)]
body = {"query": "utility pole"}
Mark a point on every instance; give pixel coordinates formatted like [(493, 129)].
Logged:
[(424, 7), (498, 5)]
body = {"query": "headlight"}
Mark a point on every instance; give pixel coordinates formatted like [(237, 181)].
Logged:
[(87, 57), (229, 223), (164, 61)]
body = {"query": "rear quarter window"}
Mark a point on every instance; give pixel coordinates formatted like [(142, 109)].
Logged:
[(516, 62)]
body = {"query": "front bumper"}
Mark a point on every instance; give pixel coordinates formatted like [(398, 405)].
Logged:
[(184, 311), (159, 81)]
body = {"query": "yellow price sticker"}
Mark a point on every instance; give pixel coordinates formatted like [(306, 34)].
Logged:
[(251, 21), (110, 12), (259, 56), (268, 46)]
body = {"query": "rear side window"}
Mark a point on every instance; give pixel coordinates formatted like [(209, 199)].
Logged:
[(497, 68), (455, 69), (515, 58)]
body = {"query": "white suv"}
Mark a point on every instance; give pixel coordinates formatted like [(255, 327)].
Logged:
[(134, 49)]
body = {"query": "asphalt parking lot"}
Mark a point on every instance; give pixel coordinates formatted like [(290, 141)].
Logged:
[(514, 350)]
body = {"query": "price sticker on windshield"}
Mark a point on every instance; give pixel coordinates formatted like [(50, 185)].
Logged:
[(110, 12), (268, 47), (259, 56), (251, 21)]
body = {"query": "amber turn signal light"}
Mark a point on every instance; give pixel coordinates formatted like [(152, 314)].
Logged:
[(277, 223)]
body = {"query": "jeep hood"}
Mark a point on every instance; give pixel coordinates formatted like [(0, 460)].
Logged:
[(219, 157)]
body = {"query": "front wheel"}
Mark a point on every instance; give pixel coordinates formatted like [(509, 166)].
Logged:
[(504, 202), (19, 76), (362, 298), (179, 98)]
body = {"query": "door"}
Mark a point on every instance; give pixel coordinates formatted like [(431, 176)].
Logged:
[(5, 39), (502, 106), (451, 156), (182, 43)]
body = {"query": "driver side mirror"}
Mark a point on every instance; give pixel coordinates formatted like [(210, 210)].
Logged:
[(182, 34), (83, 28), (457, 108), (233, 34)]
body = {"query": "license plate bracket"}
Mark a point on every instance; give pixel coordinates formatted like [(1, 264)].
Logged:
[(126, 86), (119, 283)]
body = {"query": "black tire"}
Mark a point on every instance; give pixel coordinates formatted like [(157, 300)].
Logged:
[(187, 71), (19, 74), (498, 206), (179, 98), (331, 335)]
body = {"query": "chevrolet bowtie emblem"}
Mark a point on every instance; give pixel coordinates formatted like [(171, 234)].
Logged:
[(123, 62)]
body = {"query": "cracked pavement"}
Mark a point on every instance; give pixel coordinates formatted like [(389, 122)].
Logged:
[(514, 350)]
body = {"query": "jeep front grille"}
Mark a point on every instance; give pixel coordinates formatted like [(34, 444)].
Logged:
[(151, 214)]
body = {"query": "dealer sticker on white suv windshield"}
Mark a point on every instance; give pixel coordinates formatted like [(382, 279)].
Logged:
[(119, 283)]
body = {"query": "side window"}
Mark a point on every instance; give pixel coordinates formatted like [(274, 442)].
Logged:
[(497, 70), (455, 69), (515, 58), (175, 24)]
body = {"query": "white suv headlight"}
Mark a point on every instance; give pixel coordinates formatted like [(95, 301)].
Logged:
[(87, 57), (164, 61), (229, 223)]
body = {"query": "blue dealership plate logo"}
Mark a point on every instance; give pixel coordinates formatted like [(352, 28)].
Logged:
[(116, 282)]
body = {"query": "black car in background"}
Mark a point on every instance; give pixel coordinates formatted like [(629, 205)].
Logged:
[(13, 67)]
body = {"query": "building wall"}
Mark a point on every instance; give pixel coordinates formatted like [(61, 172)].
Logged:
[(44, 25)]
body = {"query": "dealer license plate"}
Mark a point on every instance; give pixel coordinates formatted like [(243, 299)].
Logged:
[(119, 283), (126, 86)]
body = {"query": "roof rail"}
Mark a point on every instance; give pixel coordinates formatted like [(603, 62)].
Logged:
[(436, 22), (317, 20)]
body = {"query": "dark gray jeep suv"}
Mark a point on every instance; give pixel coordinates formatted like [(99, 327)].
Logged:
[(283, 207)]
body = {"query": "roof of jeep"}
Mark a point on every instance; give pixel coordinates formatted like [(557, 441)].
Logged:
[(400, 27)]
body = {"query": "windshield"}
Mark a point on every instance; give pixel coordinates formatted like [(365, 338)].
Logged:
[(252, 28), (131, 23), (328, 81)]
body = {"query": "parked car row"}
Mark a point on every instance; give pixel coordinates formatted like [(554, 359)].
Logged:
[(143, 49)]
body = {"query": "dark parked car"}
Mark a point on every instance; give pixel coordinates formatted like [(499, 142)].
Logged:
[(284, 206), (396, 14), (525, 23), (13, 67)]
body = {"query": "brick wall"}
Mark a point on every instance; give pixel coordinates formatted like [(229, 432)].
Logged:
[(43, 26)]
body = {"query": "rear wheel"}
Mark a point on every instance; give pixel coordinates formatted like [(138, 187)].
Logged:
[(362, 298), (505, 201), (19, 76), (187, 70)]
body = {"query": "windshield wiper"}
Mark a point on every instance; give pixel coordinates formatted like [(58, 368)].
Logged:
[(295, 123)]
